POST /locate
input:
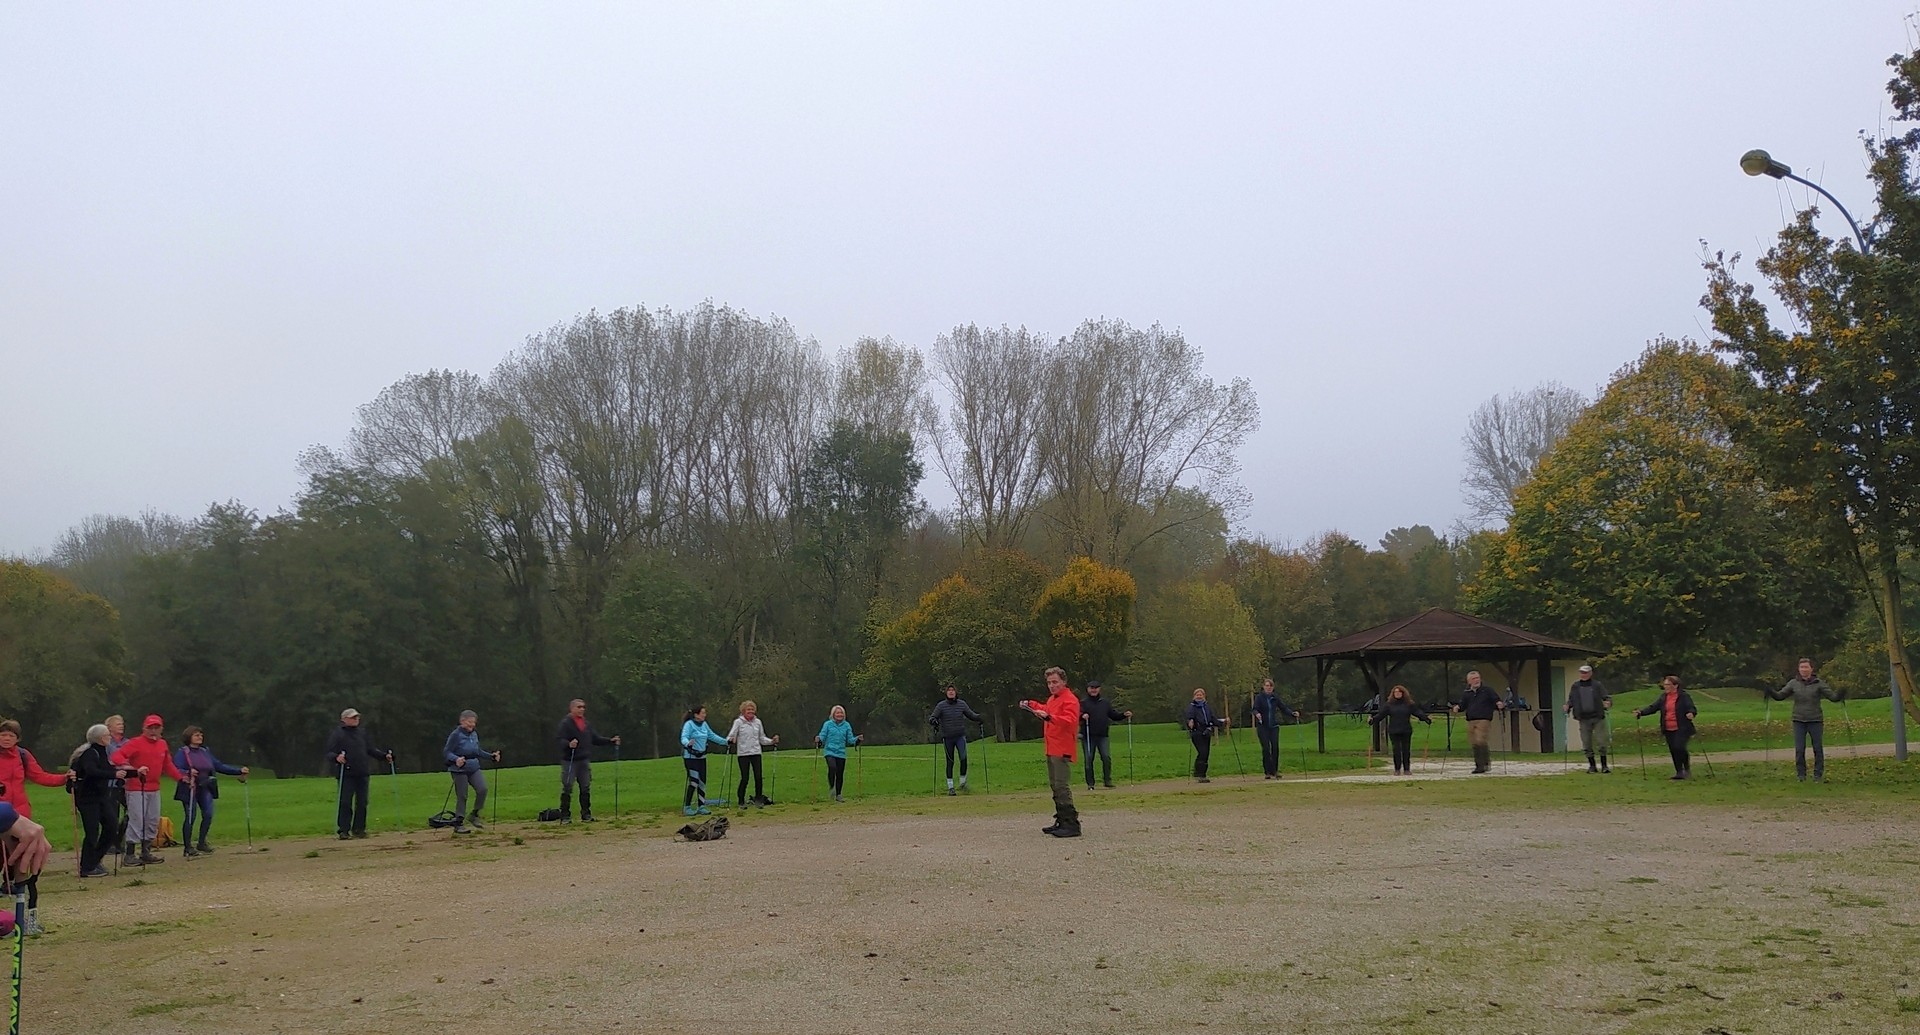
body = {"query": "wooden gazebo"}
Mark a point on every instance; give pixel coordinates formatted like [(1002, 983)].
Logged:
[(1438, 634)]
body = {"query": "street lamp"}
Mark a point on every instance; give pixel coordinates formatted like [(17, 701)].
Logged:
[(1759, 163)]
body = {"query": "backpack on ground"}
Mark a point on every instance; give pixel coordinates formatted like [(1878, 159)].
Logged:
[(706, 830), (549, 815), (163, 838)]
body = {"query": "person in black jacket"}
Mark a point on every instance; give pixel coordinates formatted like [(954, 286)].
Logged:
[(1201, 723), (1588, 701), (353, 758), (1398, 713), (577, 739), (1481, 704), (91, 777), (1676, 711), (950, 718), (1097, 716), (1268, 709)]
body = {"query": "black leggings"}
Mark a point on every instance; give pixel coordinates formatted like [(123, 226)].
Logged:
[(836, 774), (1677, 747), (1202, 747), (100, 821), (1402, 750), (749, 763)]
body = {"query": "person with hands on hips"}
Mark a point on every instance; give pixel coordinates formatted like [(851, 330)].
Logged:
[(1061, 713)]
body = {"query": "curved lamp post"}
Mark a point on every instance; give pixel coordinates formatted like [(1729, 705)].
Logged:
[(1759, 163)]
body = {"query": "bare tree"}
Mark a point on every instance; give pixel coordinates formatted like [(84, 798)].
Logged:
[(1506, 437), (98, 553), (1132, 419), (418, 419), (994, 379), (881, 385)]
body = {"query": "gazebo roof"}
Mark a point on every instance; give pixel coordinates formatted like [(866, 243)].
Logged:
[(1438, 634)]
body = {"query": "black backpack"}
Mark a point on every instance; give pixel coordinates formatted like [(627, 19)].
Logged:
[(549, 815), (706, 830)]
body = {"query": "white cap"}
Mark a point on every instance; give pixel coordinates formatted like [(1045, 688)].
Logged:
[(350, 713), (1586, 668)]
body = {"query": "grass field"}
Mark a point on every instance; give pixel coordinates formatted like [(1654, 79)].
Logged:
[(1730, 720)]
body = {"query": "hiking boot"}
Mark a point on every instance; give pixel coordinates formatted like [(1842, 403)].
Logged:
[(1591, 768), (131, 861), (343, 836), (1604, 767), (97, 871), (359, 835), (1109, 783), (188, 851), (1050, 828), (474, 820), (587, 817), (147, 858), (1073, 831), (203, 848)]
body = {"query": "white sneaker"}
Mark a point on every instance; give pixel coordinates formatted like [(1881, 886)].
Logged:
[(33, 923)]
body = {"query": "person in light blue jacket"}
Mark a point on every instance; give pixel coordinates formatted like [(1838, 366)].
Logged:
[(463, 752), (835, 737), (696, 737)]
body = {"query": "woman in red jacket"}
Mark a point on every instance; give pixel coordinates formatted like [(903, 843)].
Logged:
[(17, 766)]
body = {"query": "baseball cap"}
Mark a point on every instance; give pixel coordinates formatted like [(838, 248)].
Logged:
[(154, 720), (350, 713), (1095, 685)]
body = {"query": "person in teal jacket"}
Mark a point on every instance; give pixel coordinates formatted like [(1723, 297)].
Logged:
[(835, 737), (696, 738)]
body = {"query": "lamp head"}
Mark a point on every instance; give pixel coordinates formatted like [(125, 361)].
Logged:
[(1757, 162)]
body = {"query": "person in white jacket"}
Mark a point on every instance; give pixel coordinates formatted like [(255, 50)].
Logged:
[(747, 737)]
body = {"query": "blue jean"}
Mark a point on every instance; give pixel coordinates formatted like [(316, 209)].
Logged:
[(202, 807), (958, 744), (1099, 744), (1801, 732)]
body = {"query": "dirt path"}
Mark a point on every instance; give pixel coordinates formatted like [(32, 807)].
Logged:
[(1312, 909)]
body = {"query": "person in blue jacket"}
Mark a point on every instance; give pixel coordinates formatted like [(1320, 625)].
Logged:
[(696, 738), (835, 737), (197, 793), (1268, 709), (1201, 725), (463, 753)]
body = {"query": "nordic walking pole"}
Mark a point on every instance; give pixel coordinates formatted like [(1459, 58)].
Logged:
[(1129, 749), (813, 784), (1642, 741), (394, 784), (74, 807), (499, 786), (616, 781), (246, 805), (859, 771), (1853, 749), (1426, 744), (1235, 745), (986, 776), (773, 774), (1767, 730), (186, 835)]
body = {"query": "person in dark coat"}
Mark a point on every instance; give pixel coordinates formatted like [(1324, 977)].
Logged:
[(1480, 704), (1588, 701), (1201, 724), (1268, 710), (1097, 716), (577, 739), (1676, 711), (949, 719), (353, 758), (92, 778), (1398, 713)]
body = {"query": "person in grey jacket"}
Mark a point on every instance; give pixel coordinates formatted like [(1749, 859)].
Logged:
[(1806, 690), (1588, 701)]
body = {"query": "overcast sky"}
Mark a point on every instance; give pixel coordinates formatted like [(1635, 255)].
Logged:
[(225, 227)]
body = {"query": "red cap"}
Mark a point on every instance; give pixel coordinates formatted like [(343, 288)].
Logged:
[(154, 720)]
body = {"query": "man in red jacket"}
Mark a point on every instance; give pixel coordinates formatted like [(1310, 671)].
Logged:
[(1061, 713), (147, 756)]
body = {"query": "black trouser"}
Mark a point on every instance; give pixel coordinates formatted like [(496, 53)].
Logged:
[(1677, 747), (1402, 750), (696, 780), (1802, 732), (1202, 746), (1106, 758), (576, 771), (1269, 748), (836, 775), (749, 763), (98, 819), (354, 788)]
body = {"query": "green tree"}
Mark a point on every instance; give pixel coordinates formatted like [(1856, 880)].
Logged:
[(1085, 616), (61, 656), (1834, 400), (1196, 634), (660, 634), (1649, 532)]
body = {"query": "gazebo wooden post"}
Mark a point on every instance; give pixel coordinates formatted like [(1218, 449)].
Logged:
[(1545, 697), (1320, 667)]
